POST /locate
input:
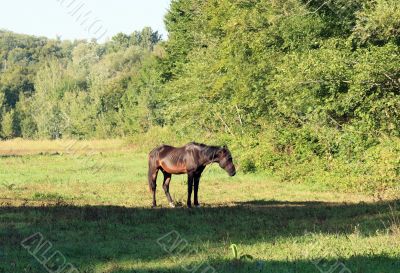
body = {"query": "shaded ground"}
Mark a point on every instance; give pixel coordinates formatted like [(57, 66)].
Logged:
[(117, 237)]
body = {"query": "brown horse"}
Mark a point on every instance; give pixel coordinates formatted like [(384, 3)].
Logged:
[(190, 159)]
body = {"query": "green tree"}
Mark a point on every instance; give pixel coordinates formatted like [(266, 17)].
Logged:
[(9, 125)]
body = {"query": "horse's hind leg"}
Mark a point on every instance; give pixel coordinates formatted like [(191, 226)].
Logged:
[(167, 180), (153, 183)]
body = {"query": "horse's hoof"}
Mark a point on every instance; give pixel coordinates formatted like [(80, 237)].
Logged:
[(172, 205), (197, 206), (154, 206)]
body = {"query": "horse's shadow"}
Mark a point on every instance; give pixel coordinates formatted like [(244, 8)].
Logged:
[(99, 234)]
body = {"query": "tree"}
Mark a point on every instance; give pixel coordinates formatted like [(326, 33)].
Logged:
[(9, 125)]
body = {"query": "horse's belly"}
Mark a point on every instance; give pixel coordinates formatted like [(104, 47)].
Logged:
[(173, 169)]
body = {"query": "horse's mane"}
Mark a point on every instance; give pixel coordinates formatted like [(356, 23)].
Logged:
[(207, 150)]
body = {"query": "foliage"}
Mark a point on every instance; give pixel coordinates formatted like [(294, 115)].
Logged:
[(9, 125)]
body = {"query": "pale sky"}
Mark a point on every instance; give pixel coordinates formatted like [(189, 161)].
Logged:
[(82, 19)]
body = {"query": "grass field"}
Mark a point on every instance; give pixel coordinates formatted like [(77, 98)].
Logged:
[(89, 201)]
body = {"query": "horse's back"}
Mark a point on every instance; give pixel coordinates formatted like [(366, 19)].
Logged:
[(165, 151), (168, 148), (160, 148), (171, 152)]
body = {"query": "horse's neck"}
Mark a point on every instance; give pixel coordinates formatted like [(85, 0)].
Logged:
[(211, 155)]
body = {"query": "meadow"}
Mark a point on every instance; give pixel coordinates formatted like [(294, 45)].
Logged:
[(90, 202)]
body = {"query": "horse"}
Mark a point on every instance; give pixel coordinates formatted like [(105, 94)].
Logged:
[(190, 159)]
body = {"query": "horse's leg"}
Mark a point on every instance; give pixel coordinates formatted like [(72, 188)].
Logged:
[(190, 186), (196, 189), (196, 179), (153, 183), (167, 180)]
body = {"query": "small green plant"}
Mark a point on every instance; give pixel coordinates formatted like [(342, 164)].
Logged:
[(234, 251), (236, 255)]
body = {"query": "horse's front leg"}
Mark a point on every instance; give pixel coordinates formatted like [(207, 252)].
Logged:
[(196, 189), (190, 187)]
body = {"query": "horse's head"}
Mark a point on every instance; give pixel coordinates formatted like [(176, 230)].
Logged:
[(225, 161)]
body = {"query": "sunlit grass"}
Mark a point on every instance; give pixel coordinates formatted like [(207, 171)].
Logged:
[(20, 146)]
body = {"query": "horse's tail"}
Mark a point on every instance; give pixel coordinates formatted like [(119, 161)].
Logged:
[(153, 169)]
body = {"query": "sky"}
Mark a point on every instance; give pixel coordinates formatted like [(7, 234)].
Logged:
[(82, 19)]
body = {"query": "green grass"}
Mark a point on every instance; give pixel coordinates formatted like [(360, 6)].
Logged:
[(95, 209)]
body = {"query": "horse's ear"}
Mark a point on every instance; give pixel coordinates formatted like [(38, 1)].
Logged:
[(222, 149)]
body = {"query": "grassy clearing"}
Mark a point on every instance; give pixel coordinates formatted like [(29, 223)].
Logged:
[(95, 209), (20, 146)]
